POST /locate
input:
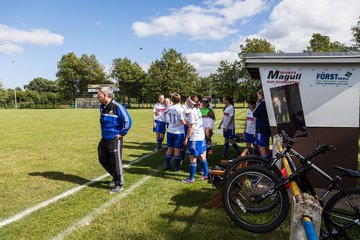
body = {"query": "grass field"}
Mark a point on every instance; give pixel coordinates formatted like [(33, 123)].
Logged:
[(43, 153)]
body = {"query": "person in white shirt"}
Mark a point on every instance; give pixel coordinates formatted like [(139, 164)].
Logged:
[(159, 121), (175, 134), (187, 111), (208, 116), (195, 140), (250, 123), (229, 126)]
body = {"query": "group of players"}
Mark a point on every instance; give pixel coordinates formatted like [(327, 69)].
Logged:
[(189, 126)]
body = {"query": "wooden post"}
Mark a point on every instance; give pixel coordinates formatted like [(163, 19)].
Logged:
[(304, 206)]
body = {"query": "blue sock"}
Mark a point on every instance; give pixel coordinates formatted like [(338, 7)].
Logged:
[(192, 170), (226, 148), (204, 167), (183, 154), (168, 160), (267, 156), (177, 160), (236, 147)]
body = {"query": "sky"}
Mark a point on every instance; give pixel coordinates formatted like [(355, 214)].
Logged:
[(34, 34)]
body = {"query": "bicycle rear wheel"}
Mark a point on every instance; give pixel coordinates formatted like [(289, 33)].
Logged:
[(239, 199), (246, 161), (342, 210)]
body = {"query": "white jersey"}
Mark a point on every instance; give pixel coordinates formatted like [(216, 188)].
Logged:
[(187, 111), (250, 122), (228, 114), (208, 122), (159, 111), (174, 116), (195, 119)]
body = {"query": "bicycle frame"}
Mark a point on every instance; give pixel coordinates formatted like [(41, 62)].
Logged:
[(301, 172)]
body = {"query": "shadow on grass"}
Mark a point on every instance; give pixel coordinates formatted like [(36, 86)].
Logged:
[(60, 176)]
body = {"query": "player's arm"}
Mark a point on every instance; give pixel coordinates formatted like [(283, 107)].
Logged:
[(191, 127), (125, 120), (190, 130), (154, 116)]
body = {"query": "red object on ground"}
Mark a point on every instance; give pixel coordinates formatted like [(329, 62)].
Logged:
[(283, 172)]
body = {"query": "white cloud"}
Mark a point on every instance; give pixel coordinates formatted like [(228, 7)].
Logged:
[(10, 38), (292, 22), (35, 36), (207, 63), (213, 20), (8, 48)]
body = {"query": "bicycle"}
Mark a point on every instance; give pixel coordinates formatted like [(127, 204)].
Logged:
[(255, 198)]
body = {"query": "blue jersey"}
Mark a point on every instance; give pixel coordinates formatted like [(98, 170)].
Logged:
[(114, 120)]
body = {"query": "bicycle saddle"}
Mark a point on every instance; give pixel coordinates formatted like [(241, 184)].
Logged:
[(348, 172)]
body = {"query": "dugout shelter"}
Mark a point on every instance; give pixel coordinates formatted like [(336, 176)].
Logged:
[(313, 96)]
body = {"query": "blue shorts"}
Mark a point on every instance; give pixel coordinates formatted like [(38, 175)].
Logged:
[(262, 139), (159, 127), (229, 134), (175, 140), (249, 138), (196, 148)]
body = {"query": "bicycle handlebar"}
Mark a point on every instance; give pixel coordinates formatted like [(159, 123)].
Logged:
[(321, 149), (286, 138)]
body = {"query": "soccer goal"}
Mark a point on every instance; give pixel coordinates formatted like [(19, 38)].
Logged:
[(87, 103)]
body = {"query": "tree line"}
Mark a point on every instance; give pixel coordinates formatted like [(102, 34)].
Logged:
[(171, 73)]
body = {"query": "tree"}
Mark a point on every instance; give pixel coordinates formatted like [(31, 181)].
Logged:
[(3, 95), (248, 86), (130, 77), (356, 34), (172, 73), (42, 85), (226, 80), (322, 43), (75, 74)]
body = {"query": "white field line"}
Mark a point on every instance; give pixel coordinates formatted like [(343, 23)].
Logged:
[(64, 195), (97, 211)]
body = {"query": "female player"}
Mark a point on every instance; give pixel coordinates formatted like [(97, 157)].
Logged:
[(249, 130), (229, 126), (208, 116), (187, 110), (262, 126), (159, 121), (195, 140), (175, 134)]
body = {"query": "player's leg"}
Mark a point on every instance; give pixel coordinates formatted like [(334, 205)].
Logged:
[(179, 145), (232, 136), (162, 130), (170, 150), (262, 141), (203, 161), (104, 157), (192, 166), (116, 158)]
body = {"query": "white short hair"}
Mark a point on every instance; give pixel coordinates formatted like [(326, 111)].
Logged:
[(106, 91)]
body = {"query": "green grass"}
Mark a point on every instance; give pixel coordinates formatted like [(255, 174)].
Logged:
[(46, 152)]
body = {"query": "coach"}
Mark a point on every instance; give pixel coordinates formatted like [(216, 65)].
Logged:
[(115, 124)]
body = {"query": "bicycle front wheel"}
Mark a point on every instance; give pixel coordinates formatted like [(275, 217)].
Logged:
[(342, 213), (243, 202)]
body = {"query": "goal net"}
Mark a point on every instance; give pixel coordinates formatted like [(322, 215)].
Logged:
[(87, 103)]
